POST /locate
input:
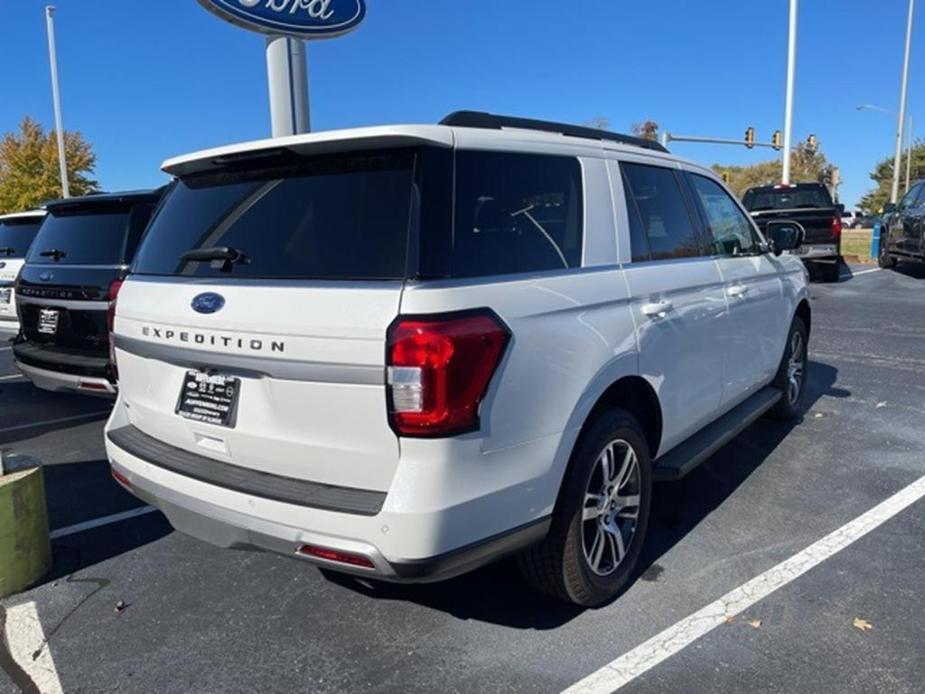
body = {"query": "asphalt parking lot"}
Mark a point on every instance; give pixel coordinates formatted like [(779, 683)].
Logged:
[(197, 618)]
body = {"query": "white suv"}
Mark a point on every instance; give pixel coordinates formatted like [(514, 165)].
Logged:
[(17, 231), (402, 352)]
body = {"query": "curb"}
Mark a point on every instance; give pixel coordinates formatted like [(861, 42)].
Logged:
[(25, 548)]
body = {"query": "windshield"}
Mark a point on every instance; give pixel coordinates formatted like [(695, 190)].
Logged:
[(786, 199), (97, 236), (16, 236), (332, 217)]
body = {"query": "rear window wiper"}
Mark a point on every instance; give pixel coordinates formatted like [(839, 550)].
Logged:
[(7, 251), (55, 254), (221, 258)]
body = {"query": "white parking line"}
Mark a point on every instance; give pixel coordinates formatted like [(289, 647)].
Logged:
[(675, 638), (60, 420), (863, 272), (29, 650), (97, 522)]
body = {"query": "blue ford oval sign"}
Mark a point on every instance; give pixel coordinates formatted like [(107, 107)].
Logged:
[(208, 303), (304, 19)]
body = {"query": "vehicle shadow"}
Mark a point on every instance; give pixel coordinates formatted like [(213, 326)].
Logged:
[(28, 411), (498, 594), (914, 271), (100, 496)]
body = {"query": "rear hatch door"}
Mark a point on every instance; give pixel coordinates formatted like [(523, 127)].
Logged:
[(253, 327)]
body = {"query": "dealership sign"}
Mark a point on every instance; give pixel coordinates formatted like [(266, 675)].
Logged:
[(304, 19)]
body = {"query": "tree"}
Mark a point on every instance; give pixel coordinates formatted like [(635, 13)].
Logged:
[(29, 170), (647, 130), (805, 166), (882, 175)]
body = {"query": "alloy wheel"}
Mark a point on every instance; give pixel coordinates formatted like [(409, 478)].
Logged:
[(611, 507)]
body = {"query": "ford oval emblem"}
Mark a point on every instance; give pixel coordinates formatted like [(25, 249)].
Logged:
[(208, 303), (304, 19), (47, 276)]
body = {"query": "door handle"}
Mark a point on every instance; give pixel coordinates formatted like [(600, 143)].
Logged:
[(658, 309), (737, 291)]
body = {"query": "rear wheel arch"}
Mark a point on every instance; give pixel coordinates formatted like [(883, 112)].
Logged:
[(805, 313), (637, 396)]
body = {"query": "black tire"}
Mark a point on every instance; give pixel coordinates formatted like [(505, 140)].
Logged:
[(830, 272), (560, 565), (884, 259), (790, 407)]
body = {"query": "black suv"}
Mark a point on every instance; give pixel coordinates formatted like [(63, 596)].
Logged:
[(901, 237), (72, 274)]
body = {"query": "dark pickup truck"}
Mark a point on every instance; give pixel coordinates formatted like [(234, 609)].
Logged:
[(812, 207)]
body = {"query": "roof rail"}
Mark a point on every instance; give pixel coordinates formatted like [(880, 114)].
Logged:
[(489, 121)]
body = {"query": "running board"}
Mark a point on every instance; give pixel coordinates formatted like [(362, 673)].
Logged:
[(684, 457)]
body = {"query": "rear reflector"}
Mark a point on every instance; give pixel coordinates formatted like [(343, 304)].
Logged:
[(336, 556), (85, 385), (120, 478)]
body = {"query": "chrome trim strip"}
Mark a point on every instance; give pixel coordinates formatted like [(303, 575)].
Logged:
[(253, 366), (70, 304)]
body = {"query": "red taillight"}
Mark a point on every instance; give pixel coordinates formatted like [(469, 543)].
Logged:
[(336, 556), (110, 322), (439, 370), (836, 227), (120, 478)]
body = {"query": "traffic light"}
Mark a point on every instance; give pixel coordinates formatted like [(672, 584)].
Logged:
[(750, 138), (812, 144), (777, 141)]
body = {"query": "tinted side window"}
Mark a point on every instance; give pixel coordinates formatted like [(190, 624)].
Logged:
[(909, 198), (662, 210), (515, 213), (137, 223), (731, 231)]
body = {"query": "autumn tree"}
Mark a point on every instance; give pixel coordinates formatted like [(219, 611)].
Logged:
[(647, 130), (882, 176), (806, 166), (29, 170)]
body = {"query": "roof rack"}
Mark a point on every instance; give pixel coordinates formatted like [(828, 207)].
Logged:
[(489, 121)]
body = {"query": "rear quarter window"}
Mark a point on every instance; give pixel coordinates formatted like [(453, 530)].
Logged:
[(514, 213)]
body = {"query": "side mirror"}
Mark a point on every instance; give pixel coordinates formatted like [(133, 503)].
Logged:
[(785, 236), (889, 208)]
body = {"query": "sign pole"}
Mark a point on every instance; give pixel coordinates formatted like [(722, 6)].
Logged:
[(56, 96), (901, 116), (287, 75)]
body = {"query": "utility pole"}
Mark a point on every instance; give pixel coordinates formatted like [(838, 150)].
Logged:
[(791, 70), (909, 137), (56, 96), (901, 116)]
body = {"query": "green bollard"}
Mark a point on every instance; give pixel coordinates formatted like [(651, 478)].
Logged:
[(25, 548)]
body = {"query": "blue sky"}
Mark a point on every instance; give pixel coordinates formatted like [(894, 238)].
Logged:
[(145, 80)]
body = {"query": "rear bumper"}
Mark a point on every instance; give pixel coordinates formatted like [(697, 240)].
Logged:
[(405, 538), (58, 381), (822, 251)]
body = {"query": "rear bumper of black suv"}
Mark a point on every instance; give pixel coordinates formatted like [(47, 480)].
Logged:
[(64, 369)]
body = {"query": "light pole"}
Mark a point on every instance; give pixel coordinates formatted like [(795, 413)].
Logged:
[(880, 109), (791, 70), (56, 96), (901, 116)]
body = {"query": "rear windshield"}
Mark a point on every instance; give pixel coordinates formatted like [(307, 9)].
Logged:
[(337, 217), (784, 199), (101, 235), (16, 236)]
